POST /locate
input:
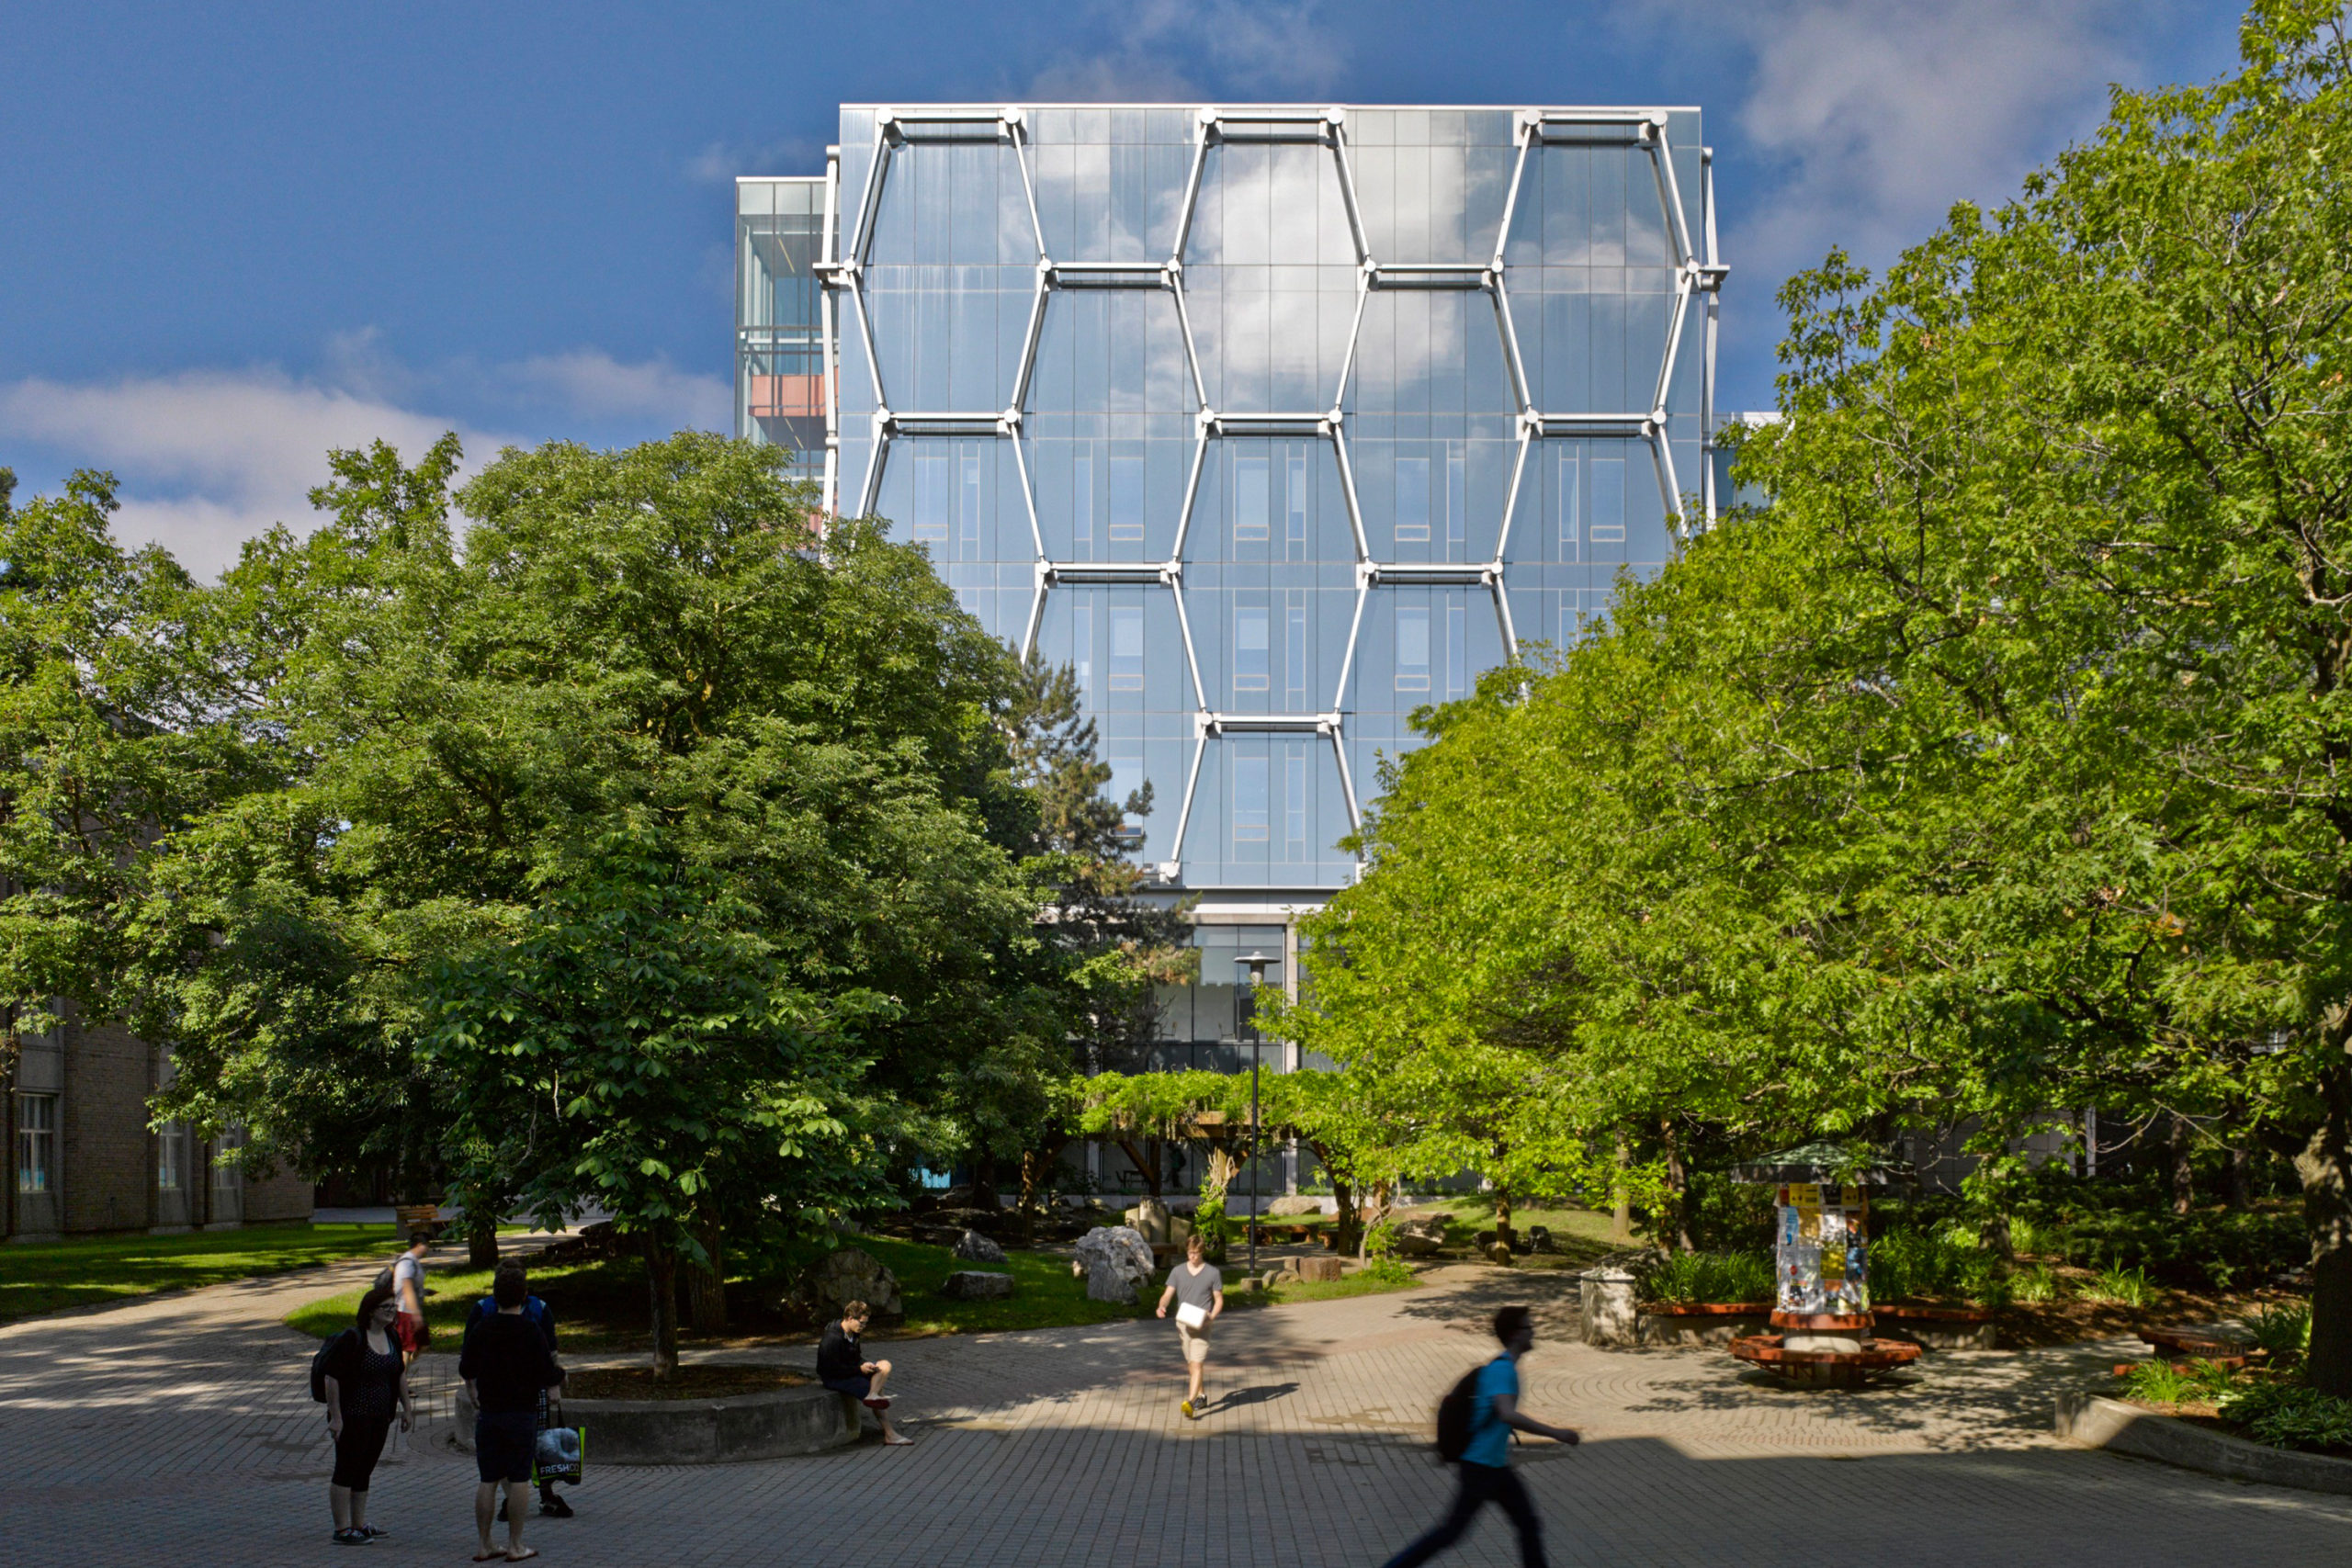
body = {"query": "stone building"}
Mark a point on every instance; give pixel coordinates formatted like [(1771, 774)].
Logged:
[(86, 1160)]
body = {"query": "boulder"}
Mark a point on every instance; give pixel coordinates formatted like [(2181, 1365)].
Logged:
[(1179, 1230), (1430, 1226), (1413, 1244), (974, 1248), (1148, 1220), (852, 1274), (1539, 1239), (977, 1285), (1117, 1260), (1318, 1268), (1289, 1208)]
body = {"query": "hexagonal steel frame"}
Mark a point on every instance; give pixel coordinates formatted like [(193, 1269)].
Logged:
[(1696, 266)]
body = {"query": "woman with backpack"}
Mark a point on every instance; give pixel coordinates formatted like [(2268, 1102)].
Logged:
[(365, 1388)]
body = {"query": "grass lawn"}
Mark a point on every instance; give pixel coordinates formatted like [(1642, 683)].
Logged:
[(1580, 1236), (51, 1276), (604, 1305), (1320, 1291)]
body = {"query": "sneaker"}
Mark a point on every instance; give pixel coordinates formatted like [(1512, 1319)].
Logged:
[(373, 1532), (554, 1507), (353, 1538), (1190, 1413)]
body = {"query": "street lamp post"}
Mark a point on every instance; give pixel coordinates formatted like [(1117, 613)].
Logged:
[(1247, 1005)]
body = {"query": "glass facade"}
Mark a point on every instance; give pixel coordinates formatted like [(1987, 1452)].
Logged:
[(1275, 424)]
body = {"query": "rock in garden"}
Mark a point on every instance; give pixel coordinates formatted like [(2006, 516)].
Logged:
[(1117, 1259), (1539, 1239), (852, 1274), (1316, 1268), (1148, 1220), (1288, 1208), (974, 1248), (975, 1285), (1430, 1226), (1413, 1244)]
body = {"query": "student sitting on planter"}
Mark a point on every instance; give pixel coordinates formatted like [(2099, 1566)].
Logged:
[(841, 1366)]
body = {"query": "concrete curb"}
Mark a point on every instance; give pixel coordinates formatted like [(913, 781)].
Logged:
[(2093, 1421), (782, 1424)]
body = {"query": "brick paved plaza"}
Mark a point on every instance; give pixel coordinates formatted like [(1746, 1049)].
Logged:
[(181, 1430)]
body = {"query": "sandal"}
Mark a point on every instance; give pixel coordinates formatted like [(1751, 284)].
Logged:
[(872, 1404), (353, 1538)]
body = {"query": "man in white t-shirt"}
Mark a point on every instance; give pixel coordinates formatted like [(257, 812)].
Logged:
[(1198, 1292)]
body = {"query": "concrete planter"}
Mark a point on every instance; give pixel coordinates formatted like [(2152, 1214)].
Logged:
[(2092, 1421), (1702, 1322), (1938, 1328), (1612, 1319), (702, 1431)]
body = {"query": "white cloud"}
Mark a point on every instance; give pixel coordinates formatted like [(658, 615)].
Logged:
[(209, 458), (593, 385), (1164, 50), (1885, 114)]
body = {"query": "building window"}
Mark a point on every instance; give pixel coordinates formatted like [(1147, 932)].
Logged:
[(1249, 803), (36, 1143), (227, 1173), (1126, 777), (1252, 498), (1457, 493), (933, 503), (1127, 494), (1608, 501), (1412, 647), (968, 504), (1294, 504), (1250, 650), (1082, 648), (1412, 500), (1081, 502), (171, 1158), (1126, 648), (1294, 646), (1564, 495), (1457, 651), (1295, 803)]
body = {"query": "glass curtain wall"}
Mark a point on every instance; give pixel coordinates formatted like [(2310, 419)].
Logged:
[(1276, 424)]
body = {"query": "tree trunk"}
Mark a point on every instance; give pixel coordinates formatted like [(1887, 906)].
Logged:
[(1350, 1238), (662, 1277), (481, 1236), (1036, 1165), (2326, 1166), (984, 1194), (1678, 1186), (2241, 1183), (1502, 1218), (706, 1285), (2184, 1172), (1621, 1214)]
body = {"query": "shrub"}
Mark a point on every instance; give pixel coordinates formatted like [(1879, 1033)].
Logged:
[(2124, 1287), (2162, 1382), (1692, 1277), (2290, 1415), (2284, 1329), (2038, 1284), (1387, 1268), (1932, 1265)]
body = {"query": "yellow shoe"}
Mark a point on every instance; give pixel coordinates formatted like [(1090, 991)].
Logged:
[(1190, 1413)]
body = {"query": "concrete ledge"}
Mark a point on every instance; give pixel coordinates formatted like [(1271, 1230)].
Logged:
[(2093, 1421), (788, 1422)]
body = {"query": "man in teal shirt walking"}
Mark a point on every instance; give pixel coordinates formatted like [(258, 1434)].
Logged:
[(1486, 1463)]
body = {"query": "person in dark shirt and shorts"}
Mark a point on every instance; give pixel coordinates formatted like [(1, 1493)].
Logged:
[(365, 1389), (1198, 1292), (542, 1317), (506, 1366), (841, 1366)]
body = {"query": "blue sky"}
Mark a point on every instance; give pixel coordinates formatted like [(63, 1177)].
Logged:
[(232, 236)]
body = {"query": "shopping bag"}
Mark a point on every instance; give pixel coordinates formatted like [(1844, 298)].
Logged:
[(560, 1454)]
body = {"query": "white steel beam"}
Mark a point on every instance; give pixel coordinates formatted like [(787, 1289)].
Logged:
[(1185, 815), (1348, 489)]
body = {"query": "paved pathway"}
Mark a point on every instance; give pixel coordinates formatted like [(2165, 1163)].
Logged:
[(182, 1430)]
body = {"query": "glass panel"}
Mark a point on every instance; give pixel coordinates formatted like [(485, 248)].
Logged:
[(1294, 504), (1253, 485), (1457, 651), (1294, 802), (36, 1143), (1295, 647), (171, 1145), (1251, 650), (1081, 655), (1081, 504), (1412, 647), (1249, 803), (1126, 648), (1608, 500), (1564, 497), (1412, 500), (1126, 492)]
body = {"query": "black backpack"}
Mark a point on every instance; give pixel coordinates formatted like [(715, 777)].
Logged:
[(1454, 1428), (329, 1357)]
